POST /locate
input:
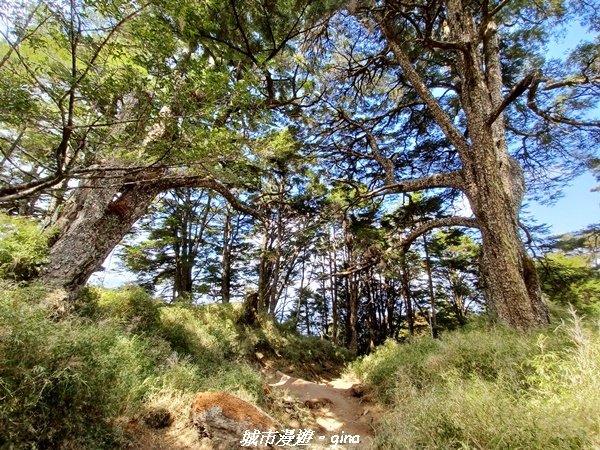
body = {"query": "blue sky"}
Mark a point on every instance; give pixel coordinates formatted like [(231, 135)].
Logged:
[(578, 207)]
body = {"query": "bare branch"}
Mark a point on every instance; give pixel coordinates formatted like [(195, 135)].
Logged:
[(499, 7), (452, 179), (24, 37), (455, 221), (570, 82)]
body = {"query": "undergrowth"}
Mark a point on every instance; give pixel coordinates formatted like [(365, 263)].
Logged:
[(489, 388), (71, 377)]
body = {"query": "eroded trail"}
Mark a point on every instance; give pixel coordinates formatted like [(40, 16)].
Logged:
[(340, 416)]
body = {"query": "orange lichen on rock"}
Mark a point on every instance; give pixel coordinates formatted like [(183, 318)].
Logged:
[(232, 407), (224, 419)]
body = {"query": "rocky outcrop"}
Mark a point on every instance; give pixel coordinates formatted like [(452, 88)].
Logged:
[(223, 418)]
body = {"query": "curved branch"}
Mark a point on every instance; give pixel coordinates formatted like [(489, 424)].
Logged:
[(453, 180), (456, 221), (218, 187), (532, 104)]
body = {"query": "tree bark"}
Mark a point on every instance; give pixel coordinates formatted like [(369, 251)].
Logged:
[(495, 184), (491, 179), (101, 212), (432, 312), (226, 259), (405, 280), (94, 220)]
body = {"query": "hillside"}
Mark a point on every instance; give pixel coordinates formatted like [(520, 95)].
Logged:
[(84, 378), (121, 370)]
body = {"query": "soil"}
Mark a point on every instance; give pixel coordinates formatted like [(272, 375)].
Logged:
[(337, 413)]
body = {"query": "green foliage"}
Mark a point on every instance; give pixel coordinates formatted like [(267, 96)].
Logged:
[(489, 388), (132, 306), (570, 279), (71, 381), (301, 355), (569, 274), (23, 248), (63, 380)]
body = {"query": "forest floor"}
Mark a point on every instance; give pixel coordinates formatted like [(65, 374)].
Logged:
[(330, 408), (338, 414)]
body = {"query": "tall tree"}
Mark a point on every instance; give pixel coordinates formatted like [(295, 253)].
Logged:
[(140, 100), (453, 94), (177, 232)]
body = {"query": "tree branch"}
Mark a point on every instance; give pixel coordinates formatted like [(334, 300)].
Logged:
[(452, 179), (456, 221), (441, 117), (532, 104), (514, 93), (386, 164)]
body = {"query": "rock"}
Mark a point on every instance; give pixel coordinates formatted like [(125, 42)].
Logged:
[(359, 390), (223, 418), (317, 403), (158, 418)]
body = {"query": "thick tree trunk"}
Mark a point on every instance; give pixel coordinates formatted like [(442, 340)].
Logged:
[(92, 223), (512, 285), (494, 181)]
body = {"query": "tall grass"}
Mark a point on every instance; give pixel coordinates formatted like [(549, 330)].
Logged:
[(490, 389), (74, 379)]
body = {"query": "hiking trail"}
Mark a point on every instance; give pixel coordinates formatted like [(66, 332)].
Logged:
[(338, 413)]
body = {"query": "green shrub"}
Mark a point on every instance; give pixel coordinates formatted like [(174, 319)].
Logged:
[(131, 305), (65, 380), (489, 388), (70, 379), (23, 248), (206, 334)]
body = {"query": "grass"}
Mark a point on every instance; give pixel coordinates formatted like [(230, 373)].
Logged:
[(490, 388), (76, 377), (73, 377)]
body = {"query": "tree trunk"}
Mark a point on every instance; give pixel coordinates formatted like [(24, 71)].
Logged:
[(512, 285), (94, 220), (226, 259), (405, 280), (331, 255), (432, 312), (494, 181), (490, 178)]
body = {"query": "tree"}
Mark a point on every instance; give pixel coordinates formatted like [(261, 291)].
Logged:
[(143, 100), (569, 269), (457, 93), (456, 271), (176, 233)]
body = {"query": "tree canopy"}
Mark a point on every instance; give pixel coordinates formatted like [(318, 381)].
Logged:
[(325, 161)]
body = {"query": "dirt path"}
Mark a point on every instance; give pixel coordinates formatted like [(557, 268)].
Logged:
[(338, 414)]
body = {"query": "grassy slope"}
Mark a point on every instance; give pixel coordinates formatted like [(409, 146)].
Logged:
[(74, 380), (490, 388)]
